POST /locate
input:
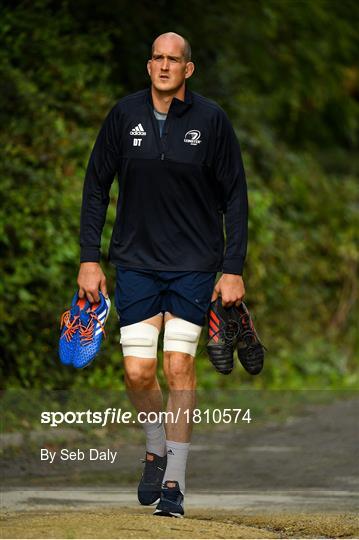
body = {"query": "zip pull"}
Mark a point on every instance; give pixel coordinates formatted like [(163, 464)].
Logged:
[(162, 157)]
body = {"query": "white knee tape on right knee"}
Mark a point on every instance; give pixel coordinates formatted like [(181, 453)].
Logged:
[(139, 339)]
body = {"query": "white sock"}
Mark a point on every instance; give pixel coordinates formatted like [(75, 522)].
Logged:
[(177, 453), (155, 438)]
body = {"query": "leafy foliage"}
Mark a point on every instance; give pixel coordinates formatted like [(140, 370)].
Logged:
[(287, 75)]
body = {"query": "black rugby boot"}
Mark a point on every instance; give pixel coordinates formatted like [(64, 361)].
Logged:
[(249, 348), (223, 331), (149, 489)]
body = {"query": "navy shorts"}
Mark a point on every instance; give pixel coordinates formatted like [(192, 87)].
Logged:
[(141, 294)]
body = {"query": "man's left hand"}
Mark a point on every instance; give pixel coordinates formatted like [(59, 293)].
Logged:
[(231, 288)]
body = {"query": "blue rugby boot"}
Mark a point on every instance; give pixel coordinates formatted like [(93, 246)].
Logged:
[(91, 332), (70, 329)]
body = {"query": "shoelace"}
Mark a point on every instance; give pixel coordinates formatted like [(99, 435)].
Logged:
[(87, 331), (150, 473), (71, 326), (247, 334), (230, 332)]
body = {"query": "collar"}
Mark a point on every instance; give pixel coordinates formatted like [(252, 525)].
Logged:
[(178, 107)]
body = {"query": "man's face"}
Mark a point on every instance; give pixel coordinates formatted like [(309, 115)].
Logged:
[(167, 68)]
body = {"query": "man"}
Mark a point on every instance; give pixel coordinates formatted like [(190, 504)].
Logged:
[(180, 170)]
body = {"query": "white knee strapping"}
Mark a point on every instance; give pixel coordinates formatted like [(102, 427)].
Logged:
[(139, 339), (181, 336)]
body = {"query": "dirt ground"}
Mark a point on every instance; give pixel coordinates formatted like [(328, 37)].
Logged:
[(127, 523), (294, 479)]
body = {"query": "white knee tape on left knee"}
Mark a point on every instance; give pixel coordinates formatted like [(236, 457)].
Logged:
[(181, 336)]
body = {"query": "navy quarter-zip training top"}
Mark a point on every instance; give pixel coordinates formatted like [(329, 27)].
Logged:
[(173, 190)]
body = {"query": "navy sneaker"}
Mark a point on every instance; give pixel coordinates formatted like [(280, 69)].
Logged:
[(171, 501), (149, 488), (70, 324), (223, 331), (91, 331), (249, 348)]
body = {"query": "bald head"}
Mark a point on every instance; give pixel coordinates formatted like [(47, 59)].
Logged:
[(170, 65), (174, 38)]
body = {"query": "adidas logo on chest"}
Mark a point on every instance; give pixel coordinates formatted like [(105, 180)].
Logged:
[(138, 130)]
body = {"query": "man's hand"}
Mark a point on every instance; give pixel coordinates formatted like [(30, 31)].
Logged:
[(231, 289), (90, 280)]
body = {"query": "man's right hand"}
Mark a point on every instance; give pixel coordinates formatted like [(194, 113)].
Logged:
[(90, 280)]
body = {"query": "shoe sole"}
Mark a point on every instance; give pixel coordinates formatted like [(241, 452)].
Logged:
[(150, 504), (162, 513)]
